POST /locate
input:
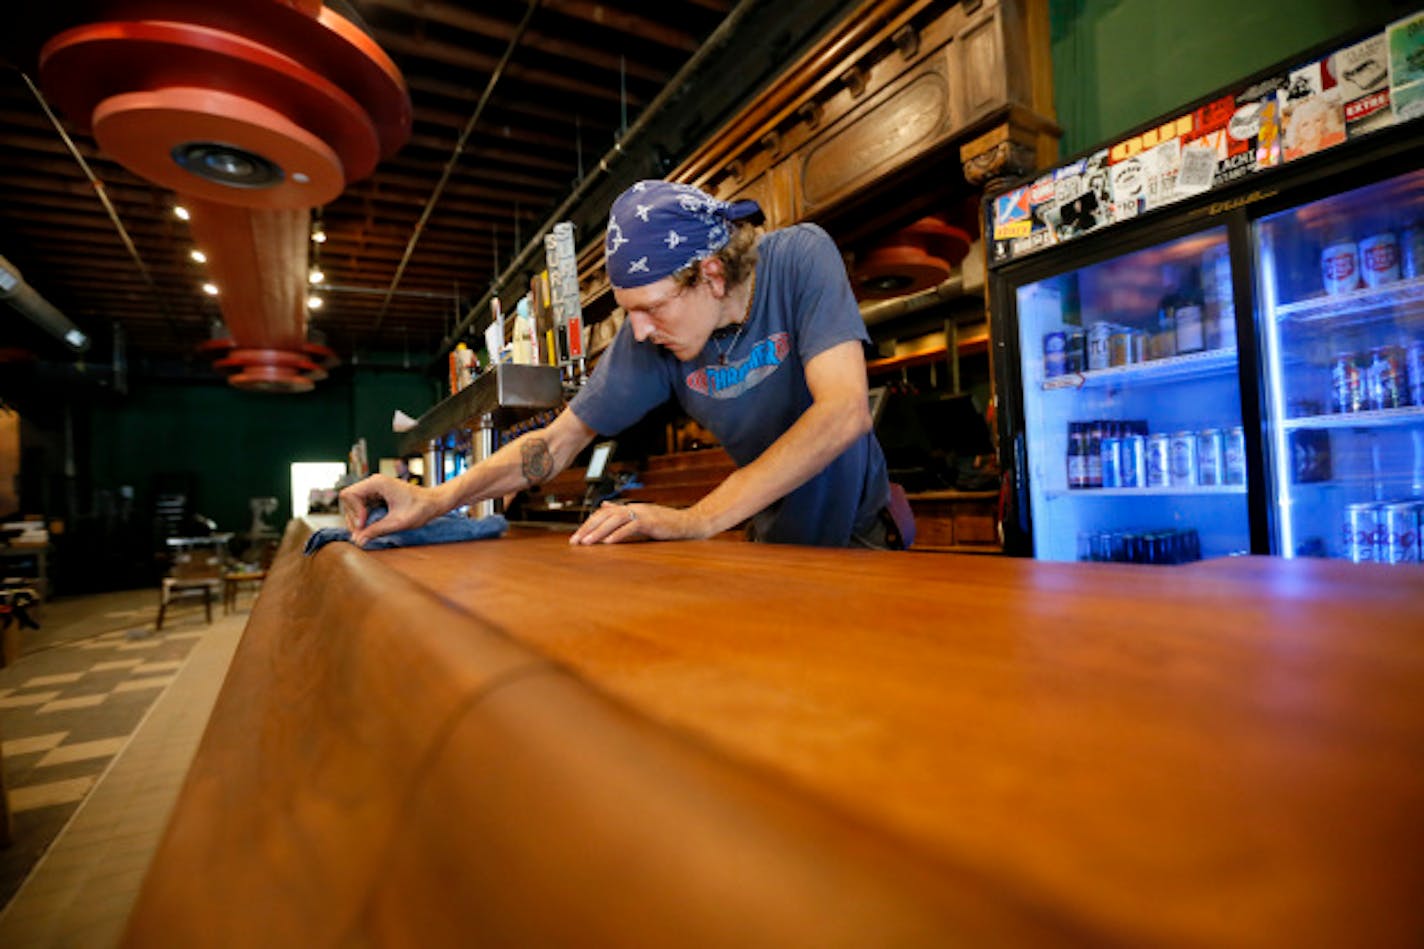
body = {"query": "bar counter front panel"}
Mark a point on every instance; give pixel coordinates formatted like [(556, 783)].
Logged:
[(1224, 753)]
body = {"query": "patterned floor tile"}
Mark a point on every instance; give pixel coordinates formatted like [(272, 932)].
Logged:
[(93, 654), (49, 794), (25, 746), (83, 751), (63, 678), (115, 664), (154, 682), (170, 666), (27, 698), (78, 701)]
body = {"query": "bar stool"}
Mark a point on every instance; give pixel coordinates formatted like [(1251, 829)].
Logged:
[(233, 581)]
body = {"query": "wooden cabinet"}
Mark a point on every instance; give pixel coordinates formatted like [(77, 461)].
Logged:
[(957, 521)]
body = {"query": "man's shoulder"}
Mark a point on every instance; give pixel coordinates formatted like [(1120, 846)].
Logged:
[(796, 237)]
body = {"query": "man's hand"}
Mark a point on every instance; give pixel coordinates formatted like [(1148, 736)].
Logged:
[(407, 506), (619, 523)]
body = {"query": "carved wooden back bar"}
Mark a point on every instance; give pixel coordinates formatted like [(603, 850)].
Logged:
[(898, 83)]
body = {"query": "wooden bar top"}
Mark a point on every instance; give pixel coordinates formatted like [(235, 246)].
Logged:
[(1225, 753), (516, 742)]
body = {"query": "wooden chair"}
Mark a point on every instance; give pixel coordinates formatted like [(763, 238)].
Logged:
[(197, 571)]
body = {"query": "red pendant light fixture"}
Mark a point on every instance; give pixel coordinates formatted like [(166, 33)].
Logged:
[(254, 113), (912, 259)]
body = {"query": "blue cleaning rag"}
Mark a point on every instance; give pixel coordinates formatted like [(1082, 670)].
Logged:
[(447, 529)]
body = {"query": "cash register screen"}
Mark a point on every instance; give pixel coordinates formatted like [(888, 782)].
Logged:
[(598, 461)]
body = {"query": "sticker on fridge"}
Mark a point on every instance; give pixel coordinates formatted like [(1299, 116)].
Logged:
[(1084, 196), (1313, 117), (1362, 75), (1406, 66), (1129, 189), (1011, 218), (1162, 165)]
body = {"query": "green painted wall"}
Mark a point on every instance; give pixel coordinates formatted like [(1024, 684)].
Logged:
[(239, 445), (1120, 63)]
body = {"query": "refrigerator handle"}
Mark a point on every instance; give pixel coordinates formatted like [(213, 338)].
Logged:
[(1020, 484)]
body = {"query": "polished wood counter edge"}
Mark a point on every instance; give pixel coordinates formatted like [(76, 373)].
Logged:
[(1227, 752), (384, 768)]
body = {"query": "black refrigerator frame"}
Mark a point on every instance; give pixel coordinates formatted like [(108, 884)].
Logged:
[(1384, 154)]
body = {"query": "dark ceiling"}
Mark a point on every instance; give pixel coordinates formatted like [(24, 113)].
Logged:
[(581, 75)]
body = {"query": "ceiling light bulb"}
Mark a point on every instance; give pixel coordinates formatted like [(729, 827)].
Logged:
[(181, 212), (314, 302), (211, 289), (316, 276), (198, 256), (319, 236)]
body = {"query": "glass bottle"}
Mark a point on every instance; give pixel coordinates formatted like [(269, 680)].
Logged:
[(1164, 332), (1190, 330)]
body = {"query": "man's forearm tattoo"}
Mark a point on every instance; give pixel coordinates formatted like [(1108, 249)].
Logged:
[(535, 461)]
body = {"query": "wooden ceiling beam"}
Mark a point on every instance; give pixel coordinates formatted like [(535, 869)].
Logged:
[(502, 106), (606, 16), (443, 146), (450, 120), (502, 31), (461, 58)]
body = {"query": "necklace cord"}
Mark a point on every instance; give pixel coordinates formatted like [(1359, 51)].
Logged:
[(746, 318)]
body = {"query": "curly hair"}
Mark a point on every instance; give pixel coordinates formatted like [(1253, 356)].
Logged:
[(738, 256)]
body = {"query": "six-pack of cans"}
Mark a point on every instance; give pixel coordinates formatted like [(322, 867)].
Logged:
[(1382, 532), (1377, 259), (1385, 377), (1107, 453)]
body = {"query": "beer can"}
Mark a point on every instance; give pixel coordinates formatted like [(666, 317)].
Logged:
[(1399, 532), (1055, 354), (1411, 251), (1379, 259), (1139, 346), (1099, 335), (1076, 352), (1183, 463), (1414, 371), (1359, 532), (1340, 266), (1234, 454), (1210, 463), (1159, 464), (1385, 384), (1112, 462), (1347, 388), (1120, 348), (1134, 462)]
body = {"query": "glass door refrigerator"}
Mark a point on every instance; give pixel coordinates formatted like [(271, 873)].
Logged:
[(1209, 335), (1340, 290), (1132, 434)]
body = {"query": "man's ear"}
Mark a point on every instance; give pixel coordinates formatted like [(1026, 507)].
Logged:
[(715, 273)]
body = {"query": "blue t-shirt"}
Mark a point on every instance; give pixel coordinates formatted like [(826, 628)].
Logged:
[(803, 306)]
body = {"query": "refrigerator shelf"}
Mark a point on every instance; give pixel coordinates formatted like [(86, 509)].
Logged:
[(1375, 419), (1172, 369), (1169, 491), (1355, 306)]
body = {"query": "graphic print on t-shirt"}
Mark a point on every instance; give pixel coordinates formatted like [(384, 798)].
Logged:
[(728, 382)]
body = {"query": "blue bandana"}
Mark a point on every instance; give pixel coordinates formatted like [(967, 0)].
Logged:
[(656, 228)]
